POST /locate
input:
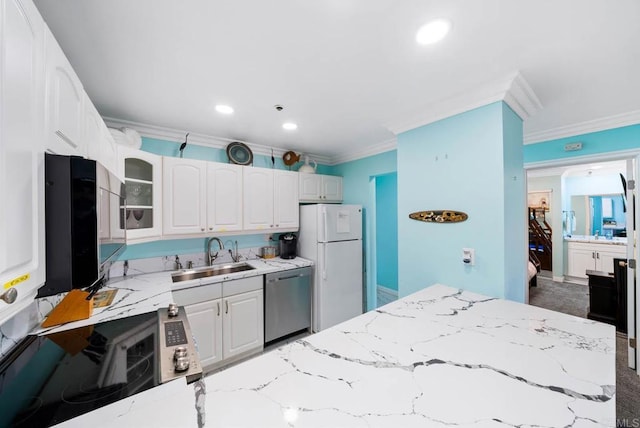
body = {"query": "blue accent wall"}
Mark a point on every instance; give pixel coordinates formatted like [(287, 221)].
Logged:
[(193, 151), (196, 245), (611, 140), (357, 179), (387, 230), (515, 196), (470, 162)]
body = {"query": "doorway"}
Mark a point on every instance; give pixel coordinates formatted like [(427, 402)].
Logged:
[(383, 227), (591, 207)]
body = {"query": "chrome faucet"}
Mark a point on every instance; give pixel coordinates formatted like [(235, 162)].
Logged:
[(209, 257), (235, 257)]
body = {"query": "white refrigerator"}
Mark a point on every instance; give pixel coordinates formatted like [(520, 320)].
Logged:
[(331, 236)]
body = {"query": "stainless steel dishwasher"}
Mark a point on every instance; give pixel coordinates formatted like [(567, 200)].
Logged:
[(287, 302)]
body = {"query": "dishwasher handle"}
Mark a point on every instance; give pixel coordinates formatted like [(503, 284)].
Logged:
[(275, 278)]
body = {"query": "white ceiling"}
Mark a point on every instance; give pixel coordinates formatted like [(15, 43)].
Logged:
[(345, 70)]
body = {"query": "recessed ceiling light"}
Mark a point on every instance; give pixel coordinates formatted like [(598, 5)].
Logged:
[(289, 126), (221, 108), (433, 31)]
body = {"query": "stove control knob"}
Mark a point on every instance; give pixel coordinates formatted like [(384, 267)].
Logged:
[(172, 310), (181, 364), (179, 352)]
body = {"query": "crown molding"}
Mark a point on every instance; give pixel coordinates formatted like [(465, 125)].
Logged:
[(521, 98), (177, 136), (602, 124), (577, 160), (513, 90), (370, 150)]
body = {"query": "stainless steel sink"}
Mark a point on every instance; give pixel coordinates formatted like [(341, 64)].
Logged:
[(185, 275)]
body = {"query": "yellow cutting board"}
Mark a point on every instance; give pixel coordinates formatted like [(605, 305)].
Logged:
[(73, 307)]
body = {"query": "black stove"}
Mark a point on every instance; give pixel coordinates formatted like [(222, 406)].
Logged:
[(49, 379)]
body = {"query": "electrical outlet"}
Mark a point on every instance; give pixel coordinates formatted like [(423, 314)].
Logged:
[(469, 256)]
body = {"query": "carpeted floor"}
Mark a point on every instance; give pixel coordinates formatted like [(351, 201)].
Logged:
[(573, 299)]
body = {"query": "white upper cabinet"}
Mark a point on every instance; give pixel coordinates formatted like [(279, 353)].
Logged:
[(310, 185), (143, 184), (184, 196), (320, 188), (331, 188), (109, 152), (92, 129), (22, 263), (224, 197), (270, 199), (64, 119), (286, 203), (258, 198), (98, 141)]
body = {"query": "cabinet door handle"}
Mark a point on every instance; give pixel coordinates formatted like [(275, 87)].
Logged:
[(597, 255), (226, 311), (66, 139), (202, 229), (218, 308), (593, 255), (211, 228)]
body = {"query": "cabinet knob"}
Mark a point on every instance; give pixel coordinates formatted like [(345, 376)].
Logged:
[(10, 295), (202, 229), (277, 225), (211, 228), (270, 225)]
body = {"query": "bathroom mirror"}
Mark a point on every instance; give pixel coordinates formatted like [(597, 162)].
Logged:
[(603, 215)]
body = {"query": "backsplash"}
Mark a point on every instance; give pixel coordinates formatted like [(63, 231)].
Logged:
[(167, 263)]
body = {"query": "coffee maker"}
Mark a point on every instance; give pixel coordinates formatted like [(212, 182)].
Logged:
[(288, 246)]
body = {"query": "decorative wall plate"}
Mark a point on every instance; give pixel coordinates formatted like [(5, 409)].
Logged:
[(439, 216), (239, 153)]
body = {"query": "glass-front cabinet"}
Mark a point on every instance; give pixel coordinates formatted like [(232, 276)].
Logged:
[(143, 205)]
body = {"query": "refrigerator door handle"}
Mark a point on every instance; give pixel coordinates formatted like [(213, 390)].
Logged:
[(324, 261), (325, 229)]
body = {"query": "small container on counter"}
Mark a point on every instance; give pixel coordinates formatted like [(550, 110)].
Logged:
[(268, 252)]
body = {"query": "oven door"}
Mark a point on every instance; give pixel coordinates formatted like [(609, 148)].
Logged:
[(131, 359), (53, 378)]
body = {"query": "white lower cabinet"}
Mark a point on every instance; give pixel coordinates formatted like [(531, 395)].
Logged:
[(583, 256), (243, 323), (229, 327), (206, 325)]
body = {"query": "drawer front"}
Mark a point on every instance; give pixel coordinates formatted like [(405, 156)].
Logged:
[(203, 293), (244, 285)]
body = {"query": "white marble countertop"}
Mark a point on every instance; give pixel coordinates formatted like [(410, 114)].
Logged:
[(148, 292), (596, 239), (439, 357)]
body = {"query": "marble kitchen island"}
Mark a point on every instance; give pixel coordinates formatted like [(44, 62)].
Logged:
[(439, 357)]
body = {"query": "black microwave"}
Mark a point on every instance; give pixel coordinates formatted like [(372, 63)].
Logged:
[(83, 228)]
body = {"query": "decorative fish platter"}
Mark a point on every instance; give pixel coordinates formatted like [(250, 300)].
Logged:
[(439, 216)]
